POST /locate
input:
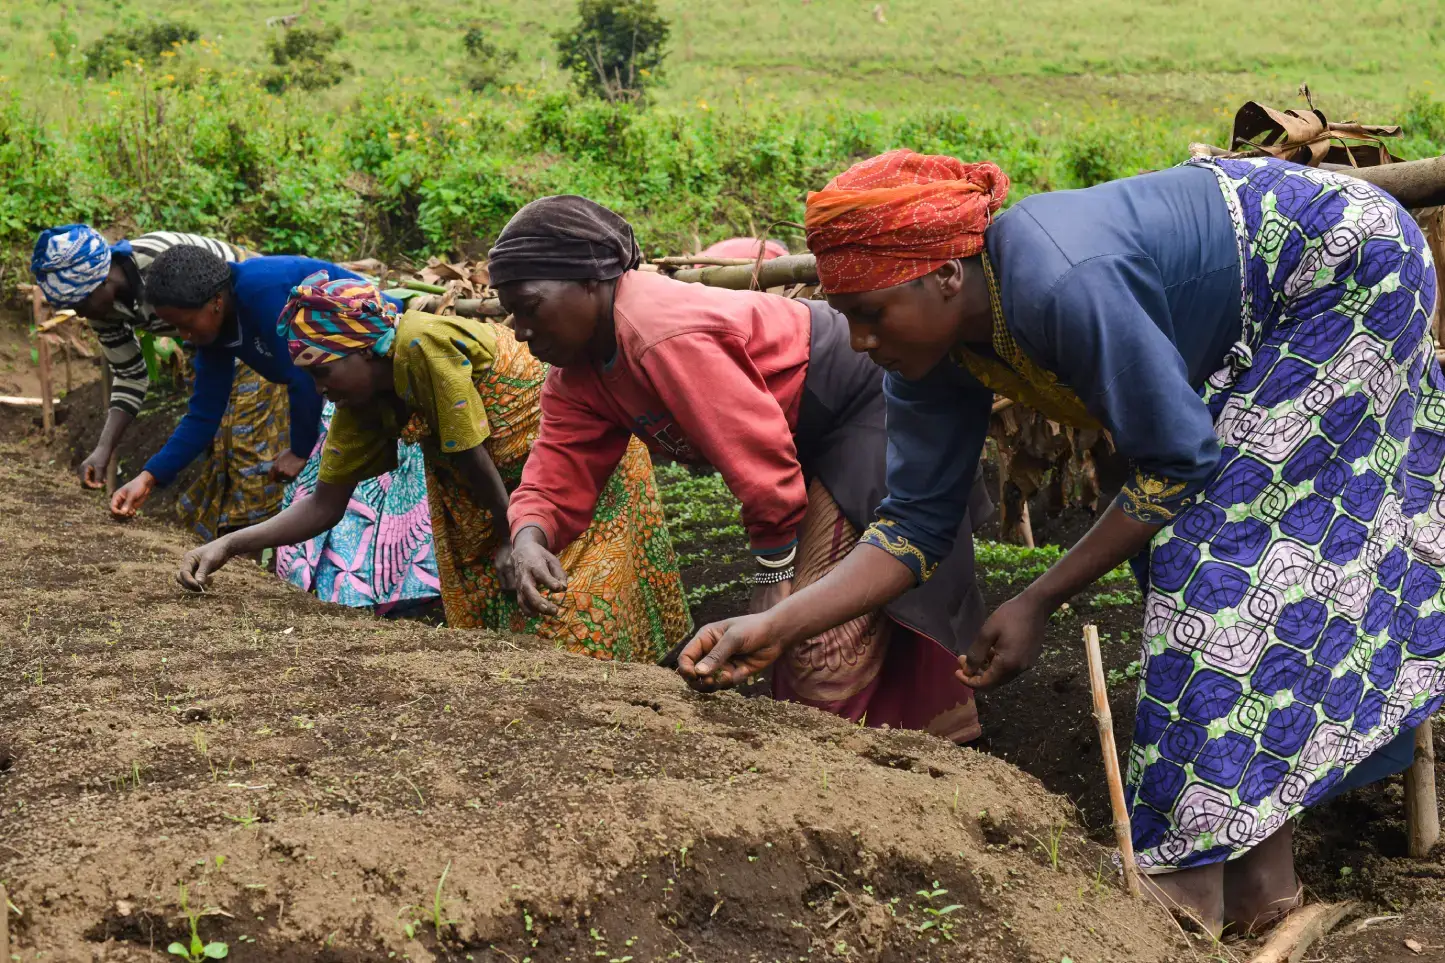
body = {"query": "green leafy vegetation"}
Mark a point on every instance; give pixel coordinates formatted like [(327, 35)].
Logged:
[(120, 49), (616, 48), (303, 58)]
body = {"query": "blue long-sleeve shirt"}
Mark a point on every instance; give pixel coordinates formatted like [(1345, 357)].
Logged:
[(259, 288), (1129, 293)]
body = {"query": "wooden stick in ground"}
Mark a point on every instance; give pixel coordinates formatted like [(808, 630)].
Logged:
[(112, 466), (47, 388), (1105, 721), (4, 925), (1300, 930), (1422, 807)]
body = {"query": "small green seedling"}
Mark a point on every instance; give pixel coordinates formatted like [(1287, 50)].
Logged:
[(197, 952), (438, 913)]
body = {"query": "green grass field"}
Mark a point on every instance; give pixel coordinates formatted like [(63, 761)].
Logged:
[(761, 102), (1032, 57)]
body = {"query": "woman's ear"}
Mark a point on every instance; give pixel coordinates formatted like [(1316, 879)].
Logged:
[(950, 278)]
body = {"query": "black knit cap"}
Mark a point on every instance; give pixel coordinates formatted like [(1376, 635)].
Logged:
[(563, 238), (185, 276)]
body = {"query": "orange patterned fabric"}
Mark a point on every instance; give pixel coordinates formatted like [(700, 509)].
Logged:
[(898, 216)]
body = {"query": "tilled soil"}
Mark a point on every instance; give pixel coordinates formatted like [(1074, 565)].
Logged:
[(331, 787)]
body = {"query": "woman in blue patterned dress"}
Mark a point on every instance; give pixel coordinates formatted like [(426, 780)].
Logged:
[(1255, 337)]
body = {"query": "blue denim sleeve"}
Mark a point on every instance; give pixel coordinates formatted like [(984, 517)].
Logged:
[(936, 430), (215, 371), (1096, 332)]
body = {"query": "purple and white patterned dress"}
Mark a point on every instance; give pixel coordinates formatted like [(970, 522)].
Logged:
[(1295, 619)]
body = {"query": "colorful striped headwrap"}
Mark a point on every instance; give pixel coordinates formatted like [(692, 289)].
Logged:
[(325, 320), (898, 216), (69, 263)]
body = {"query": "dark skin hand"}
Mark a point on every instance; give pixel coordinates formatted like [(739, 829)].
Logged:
[(92, 470), (1010, 641), (726, 653), (305, 519), (536, 571)]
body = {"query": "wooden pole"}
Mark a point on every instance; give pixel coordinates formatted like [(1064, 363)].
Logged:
[(111, 467), (1104, 719), (1422, 806), (1418, 183), (780, 271), (47, 388), (69, 384), (1025, 526)]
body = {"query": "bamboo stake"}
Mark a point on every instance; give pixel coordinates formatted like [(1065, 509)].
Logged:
[(47, 388), (4, 925), (1422, 807), (69, 384), (1105, 721)]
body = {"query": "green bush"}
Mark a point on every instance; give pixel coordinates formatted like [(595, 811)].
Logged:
[(109, 54), (301, 57), (488, 61), (616, 48)]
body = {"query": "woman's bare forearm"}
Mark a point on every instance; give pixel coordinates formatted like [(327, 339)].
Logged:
[(305, 519), (486, 484), (867, 579), (1114, 539)]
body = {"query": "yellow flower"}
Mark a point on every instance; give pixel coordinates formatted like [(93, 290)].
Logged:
[(170, 78), (168, 53), (703, 105), (411, 136)]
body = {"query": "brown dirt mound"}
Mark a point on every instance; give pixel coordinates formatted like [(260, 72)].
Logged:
[(331, 787)]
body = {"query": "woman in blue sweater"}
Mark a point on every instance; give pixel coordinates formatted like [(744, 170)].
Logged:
[(1255, 337), (228, 312)]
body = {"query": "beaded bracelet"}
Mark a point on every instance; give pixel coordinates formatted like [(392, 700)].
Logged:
[(773, 577)]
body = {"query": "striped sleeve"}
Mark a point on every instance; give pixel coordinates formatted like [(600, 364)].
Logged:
[(121, 347), (148, 247)]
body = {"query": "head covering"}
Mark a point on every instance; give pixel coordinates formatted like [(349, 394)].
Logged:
[(898, 216), (69, 263), (563, 238), (325, 320)]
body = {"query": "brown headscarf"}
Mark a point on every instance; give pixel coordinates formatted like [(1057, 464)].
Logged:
[(563, 238)]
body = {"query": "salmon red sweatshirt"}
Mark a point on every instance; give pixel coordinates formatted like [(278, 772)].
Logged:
[(704, 375)]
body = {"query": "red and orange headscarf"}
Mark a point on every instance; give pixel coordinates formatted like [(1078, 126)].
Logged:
[(898, 216)]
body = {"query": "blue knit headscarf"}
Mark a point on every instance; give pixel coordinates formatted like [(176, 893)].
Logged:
[(69, 263)]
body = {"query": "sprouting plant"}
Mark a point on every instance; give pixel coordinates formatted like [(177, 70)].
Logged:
[(1050, 845), (246, 819), (938, 916), (198, 951), (438, 914)]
